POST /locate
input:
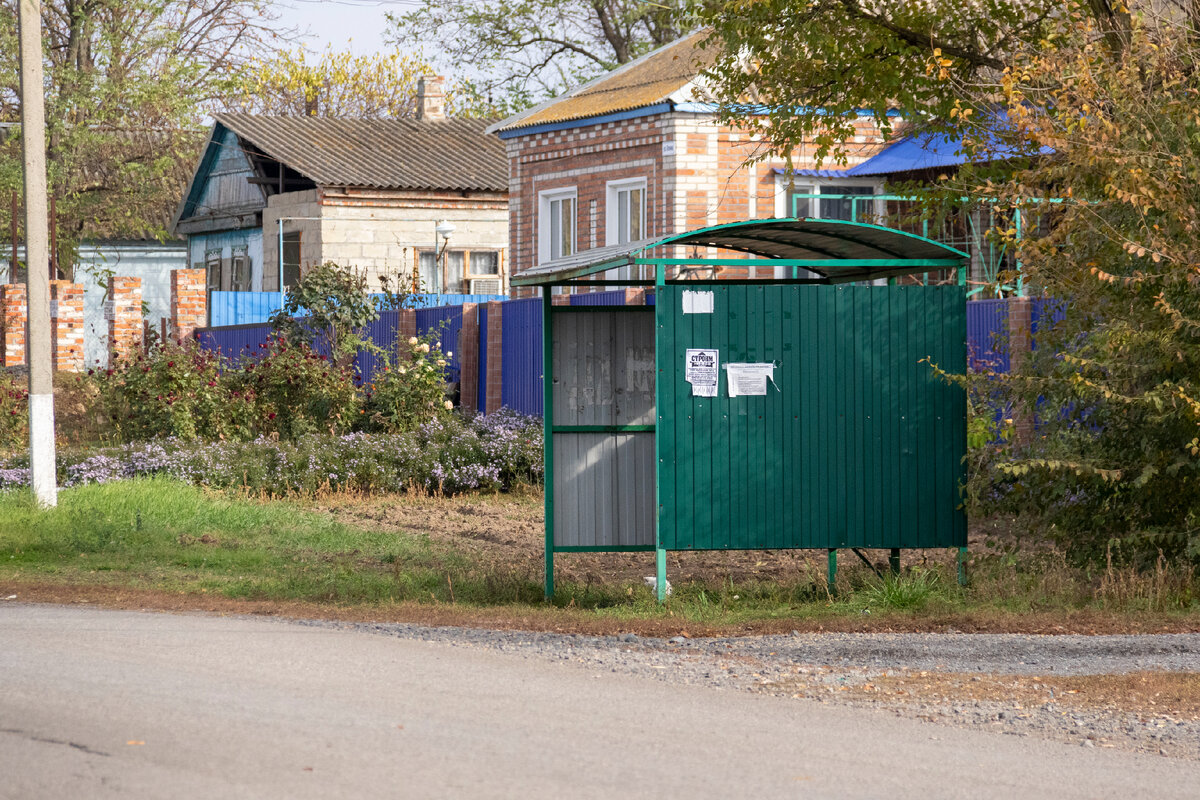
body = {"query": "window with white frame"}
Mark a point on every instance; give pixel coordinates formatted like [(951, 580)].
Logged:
[(625, 206), (826, 199), (556, 224)]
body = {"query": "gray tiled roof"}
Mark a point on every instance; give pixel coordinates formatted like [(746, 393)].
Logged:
[(450, 154)]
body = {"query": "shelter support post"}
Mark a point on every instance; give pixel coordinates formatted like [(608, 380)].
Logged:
[(894, 560), (548, 421), (660, 574), (962, 566), (832, 578)]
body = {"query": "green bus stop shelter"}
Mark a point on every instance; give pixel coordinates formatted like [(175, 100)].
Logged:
[(798, 410)]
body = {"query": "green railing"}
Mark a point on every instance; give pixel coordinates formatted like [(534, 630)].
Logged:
[(964, 227)]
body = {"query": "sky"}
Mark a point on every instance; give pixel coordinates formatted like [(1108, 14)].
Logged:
[(355, 25)]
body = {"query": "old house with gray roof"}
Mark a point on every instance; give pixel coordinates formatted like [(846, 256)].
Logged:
[(273, 196)]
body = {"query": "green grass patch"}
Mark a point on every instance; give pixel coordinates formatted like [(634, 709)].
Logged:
[(165, 535)]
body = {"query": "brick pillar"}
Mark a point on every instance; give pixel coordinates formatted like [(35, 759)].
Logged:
[(635, 297), (560, 299), (13, 319), (495, 334), (406, 325), (189, 303), (1020, 342), (468, 358), (66, 325), (124, 312)]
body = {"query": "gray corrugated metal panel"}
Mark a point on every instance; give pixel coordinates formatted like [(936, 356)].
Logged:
[(603, 489), (521, 356), (382, 153), (604, 368)]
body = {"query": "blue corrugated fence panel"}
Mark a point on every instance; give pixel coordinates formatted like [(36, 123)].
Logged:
[(234, 342), (481, 394), (242, 308), (615, 297), (521, 367), (987, 335), (431, 300), (446, 321), (382, 332)]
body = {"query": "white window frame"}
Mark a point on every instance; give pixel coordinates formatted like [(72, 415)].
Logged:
[(545, 201), (612, 199), (782, 182)]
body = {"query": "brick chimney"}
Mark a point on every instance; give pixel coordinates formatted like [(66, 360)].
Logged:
[(431, 97)]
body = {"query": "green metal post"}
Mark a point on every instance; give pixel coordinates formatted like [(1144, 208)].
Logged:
[(833, 572), (1020, 277), (894, 560), (548, 422), (962, 566), (660, 574)]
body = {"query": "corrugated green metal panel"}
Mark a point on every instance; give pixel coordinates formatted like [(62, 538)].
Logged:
[(861, 446)]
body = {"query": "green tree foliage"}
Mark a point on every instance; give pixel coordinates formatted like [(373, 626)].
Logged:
[(1114, 92), (335, 84), (127, 85), (513, 53)]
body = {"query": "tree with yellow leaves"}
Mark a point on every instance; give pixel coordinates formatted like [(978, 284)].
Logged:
[(334, 84)]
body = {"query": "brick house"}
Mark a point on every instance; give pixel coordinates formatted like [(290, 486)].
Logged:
[(639, 154), (273, 196)]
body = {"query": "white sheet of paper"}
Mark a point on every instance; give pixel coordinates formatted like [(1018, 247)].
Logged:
[(701, 370), (697, 302), (749, 379)]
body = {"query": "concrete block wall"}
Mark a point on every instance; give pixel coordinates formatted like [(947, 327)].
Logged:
[(66, 325), (13, 324), (189, 303), (124, 312)]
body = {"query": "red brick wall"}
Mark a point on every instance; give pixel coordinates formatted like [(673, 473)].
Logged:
[(694, 169), (468, 358), (189, 302), (124, 312), (13, 322), (494, 378), (66, 325)]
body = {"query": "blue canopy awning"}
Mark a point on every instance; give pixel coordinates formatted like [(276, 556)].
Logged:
[(912, 153)]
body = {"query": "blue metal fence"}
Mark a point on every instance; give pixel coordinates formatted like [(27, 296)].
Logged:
[(521, 348), (987, 335), (521, 362), (248, 308)]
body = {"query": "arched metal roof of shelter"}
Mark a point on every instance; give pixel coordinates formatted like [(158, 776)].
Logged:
[(837, 250)]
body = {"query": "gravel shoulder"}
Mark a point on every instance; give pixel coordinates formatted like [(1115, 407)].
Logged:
[(1137, 693)]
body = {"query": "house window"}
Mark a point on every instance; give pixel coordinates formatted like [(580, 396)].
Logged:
[(291, 259), (454, 271), (240, 267), (809, 200), (212, 270), (485, 262), (626, 211), (427, 271), (556, 224)]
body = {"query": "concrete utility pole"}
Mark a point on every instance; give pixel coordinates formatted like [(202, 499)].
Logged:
[(33, 145)]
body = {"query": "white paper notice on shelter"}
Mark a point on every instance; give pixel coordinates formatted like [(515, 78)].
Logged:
[(701, 370), (697, 302), (749, 379)]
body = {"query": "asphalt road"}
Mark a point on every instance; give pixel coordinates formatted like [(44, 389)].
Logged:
[(97, 704)]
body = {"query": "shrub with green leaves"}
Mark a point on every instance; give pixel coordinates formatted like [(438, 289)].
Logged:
[(411, 391), (296, 391), (14, 411), (176, 389)]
